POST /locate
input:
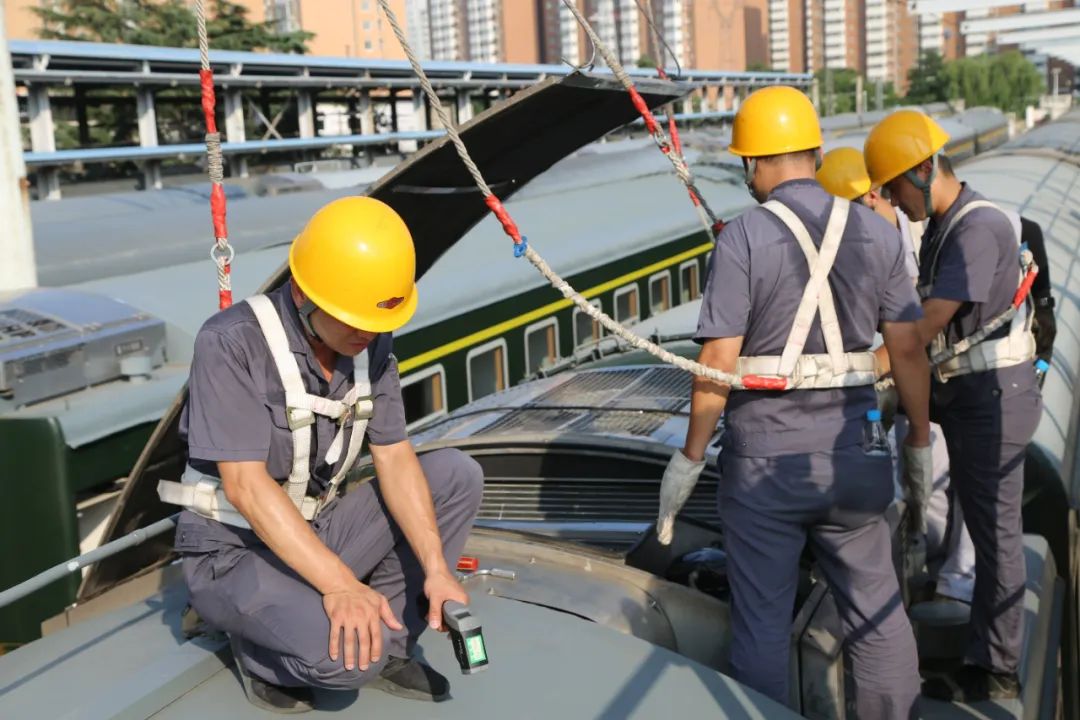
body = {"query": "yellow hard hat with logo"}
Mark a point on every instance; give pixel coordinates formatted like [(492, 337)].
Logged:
[(355, 260), (900, 142), (773, 121), (843, 173)]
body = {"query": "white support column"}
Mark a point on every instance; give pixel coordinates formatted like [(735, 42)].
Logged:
[(419, 108), (688, 104), (43, 139), (235, 130), (148, 134), (17, 270), (306, 110), (367, 122), (464, 106)]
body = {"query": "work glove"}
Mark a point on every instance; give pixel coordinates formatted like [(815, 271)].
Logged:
[(679, 480), (1045, 330), (887, 401), (918, 483)]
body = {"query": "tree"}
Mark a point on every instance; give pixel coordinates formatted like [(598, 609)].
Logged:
[(837, 88), (169, 23), (646, 61), (928, 81)]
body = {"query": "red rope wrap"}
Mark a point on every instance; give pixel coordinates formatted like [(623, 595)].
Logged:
[(1025, 287), (758, 382), (206, 83), (643, 109), (217, 210), (508, 224)]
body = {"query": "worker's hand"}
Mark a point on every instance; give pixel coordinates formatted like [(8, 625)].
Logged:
[(887, 401), (359, 612), (1045, 330), (440, 587), (918, 482), (679, 480)]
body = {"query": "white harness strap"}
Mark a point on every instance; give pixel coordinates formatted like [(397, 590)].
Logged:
[(817, 297), (1015, 348), (201, 493), (836, 368)]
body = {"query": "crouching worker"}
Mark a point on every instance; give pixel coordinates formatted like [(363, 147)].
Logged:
[(317, 588)]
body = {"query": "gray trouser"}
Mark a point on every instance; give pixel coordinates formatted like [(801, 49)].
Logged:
[(279, 617), (987, 439), (770, 507)]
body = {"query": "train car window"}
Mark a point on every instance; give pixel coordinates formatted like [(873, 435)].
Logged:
[(424, 395), (660, 292), (541, 345), (487, 369), (586, 329), (626, 305), (689, 286)]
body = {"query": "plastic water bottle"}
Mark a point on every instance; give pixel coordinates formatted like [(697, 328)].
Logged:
[(1041, 366), (875, 441)]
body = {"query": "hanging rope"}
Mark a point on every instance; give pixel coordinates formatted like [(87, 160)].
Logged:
[(712, 224), (521, 246), (222, 252)]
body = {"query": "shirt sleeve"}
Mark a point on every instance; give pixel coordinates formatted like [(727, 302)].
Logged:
[(725, 304), (387, 424), (227, 419), (968, 261), (900, 301)]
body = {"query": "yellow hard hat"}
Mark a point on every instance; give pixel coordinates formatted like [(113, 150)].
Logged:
[(900, 142), (773, 121), (843, 173), (356, 261)]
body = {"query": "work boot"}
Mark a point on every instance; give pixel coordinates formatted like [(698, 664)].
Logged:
[(270, 697), (409, 678), (970, 684)]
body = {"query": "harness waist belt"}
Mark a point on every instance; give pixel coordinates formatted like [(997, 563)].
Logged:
[(815, 372), (202, 495)]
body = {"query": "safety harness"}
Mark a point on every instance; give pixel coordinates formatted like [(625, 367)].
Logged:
[(835, 368), (975, 353), (202, 493)]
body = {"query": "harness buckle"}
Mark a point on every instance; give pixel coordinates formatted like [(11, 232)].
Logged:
[(363, 409), (299, 417)]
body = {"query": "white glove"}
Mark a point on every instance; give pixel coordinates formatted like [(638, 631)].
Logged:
[(679, 480), (918, 482)]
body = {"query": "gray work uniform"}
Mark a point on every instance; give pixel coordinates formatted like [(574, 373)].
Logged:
[(236, 412), (792, 464), (988, 419)]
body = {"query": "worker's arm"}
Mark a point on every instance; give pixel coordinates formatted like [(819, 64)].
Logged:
[(911, 371), (708, 397), (408, 498), (353, 608), (937, 313)]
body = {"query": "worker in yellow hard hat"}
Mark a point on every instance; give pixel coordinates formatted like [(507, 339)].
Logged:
[(985, 395), (310, 584), (810, 465)]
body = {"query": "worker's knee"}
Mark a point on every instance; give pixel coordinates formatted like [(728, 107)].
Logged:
[(454, 477), (332, 674)]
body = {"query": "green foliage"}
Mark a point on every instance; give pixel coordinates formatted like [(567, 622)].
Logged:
[(169, 23), (758, 67), (1005, 80), (646, 61)]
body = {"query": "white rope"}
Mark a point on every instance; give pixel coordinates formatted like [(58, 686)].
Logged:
[(538, 262), (204, 40), (657, 132)]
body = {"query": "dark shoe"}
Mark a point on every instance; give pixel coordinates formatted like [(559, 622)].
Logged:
[(408, 678), (269, 697), (972, 684)]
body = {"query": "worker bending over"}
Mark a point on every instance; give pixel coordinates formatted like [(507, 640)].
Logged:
[(986, 399)]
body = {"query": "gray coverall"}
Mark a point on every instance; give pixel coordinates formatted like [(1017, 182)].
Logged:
[(235, 412), (792, 463), (988, 419)]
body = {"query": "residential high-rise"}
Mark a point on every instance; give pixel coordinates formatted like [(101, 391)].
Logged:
[(787, 35), (893, 39)]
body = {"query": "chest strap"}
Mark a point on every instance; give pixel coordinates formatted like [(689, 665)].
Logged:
[(975, 353), (201, 493)]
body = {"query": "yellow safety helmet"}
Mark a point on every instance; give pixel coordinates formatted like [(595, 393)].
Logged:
[(900, 142), (355, 260), (773, 121), (843, 173)]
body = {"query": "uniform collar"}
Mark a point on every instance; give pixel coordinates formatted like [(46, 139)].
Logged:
[(299, 343), (966, 195), (791, 185)]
